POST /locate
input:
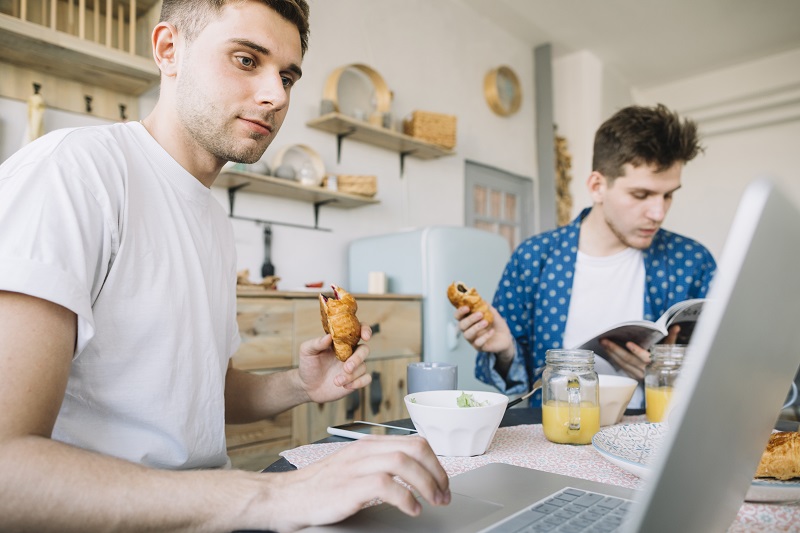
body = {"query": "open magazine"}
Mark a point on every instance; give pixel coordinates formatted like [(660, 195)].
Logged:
[(646, 333)]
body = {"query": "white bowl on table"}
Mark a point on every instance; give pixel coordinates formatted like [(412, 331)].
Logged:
[(455, 431), (615, 394)]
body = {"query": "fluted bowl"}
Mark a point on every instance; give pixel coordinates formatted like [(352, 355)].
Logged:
[(455, 431)]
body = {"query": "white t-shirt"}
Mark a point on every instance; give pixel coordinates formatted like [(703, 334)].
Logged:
[(104, 222), (605, 291)]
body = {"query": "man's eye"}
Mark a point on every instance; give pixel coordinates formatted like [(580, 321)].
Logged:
[(246, 62), (287, 81), (640, 195)]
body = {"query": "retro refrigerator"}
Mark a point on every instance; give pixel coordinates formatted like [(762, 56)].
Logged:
[(426, 261)]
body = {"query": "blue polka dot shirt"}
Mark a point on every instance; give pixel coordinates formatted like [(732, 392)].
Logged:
[(534, 291)]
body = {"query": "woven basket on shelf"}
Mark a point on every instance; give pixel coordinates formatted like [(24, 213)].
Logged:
[(354, 184), (434, 128)]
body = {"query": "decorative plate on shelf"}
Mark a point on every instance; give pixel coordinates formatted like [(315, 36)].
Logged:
[(632, 447)]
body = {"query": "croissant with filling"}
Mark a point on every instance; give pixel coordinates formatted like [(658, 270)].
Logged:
[(461, 295), (339, 319), (781, 458)]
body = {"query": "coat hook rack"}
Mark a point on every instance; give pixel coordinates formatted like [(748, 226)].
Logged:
[(36, 88), (122, 114), (88, 100)]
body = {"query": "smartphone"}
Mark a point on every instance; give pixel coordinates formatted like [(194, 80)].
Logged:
[(359, 429)]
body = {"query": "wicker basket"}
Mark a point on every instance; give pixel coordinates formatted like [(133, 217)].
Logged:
[(434, 128), (354, 184)]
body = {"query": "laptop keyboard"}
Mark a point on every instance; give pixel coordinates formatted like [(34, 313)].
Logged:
[(569, 511)]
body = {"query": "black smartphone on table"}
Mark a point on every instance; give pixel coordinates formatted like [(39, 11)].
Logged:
[(358, 429)]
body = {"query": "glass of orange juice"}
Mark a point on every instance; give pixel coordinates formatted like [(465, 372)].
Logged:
[(570, 397), (660, 377)]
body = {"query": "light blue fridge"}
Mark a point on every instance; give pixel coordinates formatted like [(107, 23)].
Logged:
[(426, 261)]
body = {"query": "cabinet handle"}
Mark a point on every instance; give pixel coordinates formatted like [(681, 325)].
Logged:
[(376, 393), (376, 328), (352, 403)]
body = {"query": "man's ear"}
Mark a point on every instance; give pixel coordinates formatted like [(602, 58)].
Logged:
[(165, 40), (596, 184)]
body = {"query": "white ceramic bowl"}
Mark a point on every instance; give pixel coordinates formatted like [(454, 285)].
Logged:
[(452, 430), (615, 393)]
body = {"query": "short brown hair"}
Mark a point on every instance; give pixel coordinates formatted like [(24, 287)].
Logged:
[(644, 136), (191, 16)]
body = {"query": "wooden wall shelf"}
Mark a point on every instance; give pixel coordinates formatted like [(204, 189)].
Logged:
[(60, 54), (235, 180), (345, 127), (290, 189)]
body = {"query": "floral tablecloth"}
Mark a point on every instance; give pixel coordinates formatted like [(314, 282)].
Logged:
[(527, 446)]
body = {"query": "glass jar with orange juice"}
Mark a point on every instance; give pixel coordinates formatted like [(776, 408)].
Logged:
[(570, 397), (659, 379)]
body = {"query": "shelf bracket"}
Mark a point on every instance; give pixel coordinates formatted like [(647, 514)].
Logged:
[(232, 199), (274, 223), (339, 138), (317, 205), (232, 195), (403, 160)]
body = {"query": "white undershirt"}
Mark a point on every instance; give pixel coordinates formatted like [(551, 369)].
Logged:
[(605, 291)]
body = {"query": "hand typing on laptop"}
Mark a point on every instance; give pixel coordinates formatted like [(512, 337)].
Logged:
[(357, 474)]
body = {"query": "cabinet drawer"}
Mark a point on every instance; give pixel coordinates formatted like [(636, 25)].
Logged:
[(274, 428), (383, 398), (265, 326), (396, 326)]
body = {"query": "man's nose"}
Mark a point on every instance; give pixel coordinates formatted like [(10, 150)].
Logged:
[(272, 91), (657, 209)]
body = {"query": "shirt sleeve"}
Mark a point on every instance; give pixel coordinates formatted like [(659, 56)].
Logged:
[(512, 302), (59, 242), (706, 271)]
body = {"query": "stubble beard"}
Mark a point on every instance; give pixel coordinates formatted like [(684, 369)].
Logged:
[(206, 124), (625, 240)]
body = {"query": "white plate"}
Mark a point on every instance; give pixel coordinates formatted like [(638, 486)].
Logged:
[(633, 446)]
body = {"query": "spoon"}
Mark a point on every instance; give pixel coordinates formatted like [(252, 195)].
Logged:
[(536, 386)]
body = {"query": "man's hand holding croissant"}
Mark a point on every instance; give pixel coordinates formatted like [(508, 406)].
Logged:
[(332, 366)]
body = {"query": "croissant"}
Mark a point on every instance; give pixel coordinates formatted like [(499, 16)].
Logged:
[(339, 319), (781, 458), (460, 295)]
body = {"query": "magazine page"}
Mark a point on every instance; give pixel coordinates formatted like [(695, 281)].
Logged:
[(685, 315), (685, 311), (641, 332)]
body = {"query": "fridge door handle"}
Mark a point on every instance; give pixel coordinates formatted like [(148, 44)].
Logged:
[(453, 333)]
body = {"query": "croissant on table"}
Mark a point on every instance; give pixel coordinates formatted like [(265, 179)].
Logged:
[(461, 295), (781, 458), (339, 319)]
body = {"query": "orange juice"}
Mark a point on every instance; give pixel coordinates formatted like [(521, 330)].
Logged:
[(656, 401), (555, 422)]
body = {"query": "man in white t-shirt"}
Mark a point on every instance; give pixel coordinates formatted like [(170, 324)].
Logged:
[(118, 310), (613, 263)]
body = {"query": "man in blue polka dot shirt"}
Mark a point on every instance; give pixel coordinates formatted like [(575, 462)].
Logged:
[(612, 263)]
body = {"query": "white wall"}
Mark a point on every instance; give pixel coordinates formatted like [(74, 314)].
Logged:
[(585, 94), (749, 119), (433, 56)]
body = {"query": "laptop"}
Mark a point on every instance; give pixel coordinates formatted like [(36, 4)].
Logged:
[(741, 361)]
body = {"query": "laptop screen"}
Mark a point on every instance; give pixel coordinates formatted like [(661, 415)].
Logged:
[(740, 363)]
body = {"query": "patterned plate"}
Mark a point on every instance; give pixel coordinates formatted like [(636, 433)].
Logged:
[(632, 447)]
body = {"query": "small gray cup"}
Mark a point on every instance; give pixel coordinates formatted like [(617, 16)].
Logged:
[(425, 376)]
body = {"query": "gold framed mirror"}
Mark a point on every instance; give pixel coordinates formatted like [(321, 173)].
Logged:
[(502, 91)]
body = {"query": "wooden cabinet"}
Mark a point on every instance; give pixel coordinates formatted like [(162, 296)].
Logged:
[(274, 324)]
